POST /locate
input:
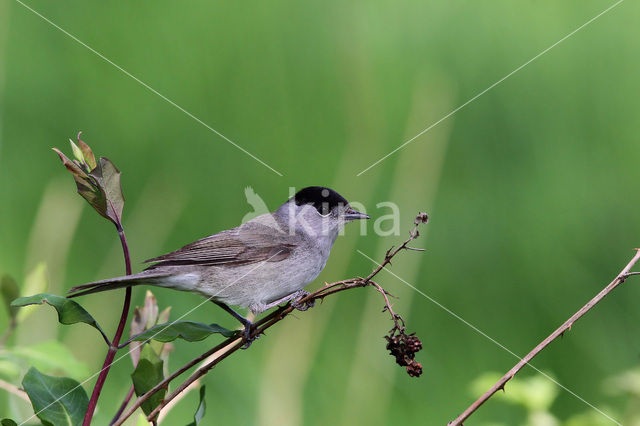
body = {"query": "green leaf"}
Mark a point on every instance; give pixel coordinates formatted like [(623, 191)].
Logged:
[(201, 410), (51, 356), (69, 312), (76, 152), (93, 194), (56, 400), (10, 291), (107, 177), (8, 422), (147, 374), (188, 330), (162, 349)]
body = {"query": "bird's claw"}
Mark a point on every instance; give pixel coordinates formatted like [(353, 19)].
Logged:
[(305, 305), (247, 335)]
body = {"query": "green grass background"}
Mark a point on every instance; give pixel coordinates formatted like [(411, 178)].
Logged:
[(531, 189)]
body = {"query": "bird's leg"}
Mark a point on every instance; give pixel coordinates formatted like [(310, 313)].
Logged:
[(248, 325), (294, 297)]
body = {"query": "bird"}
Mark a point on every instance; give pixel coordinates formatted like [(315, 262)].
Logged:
[(264, 262)]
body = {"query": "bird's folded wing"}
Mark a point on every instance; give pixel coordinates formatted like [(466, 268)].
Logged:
[(238, 246)]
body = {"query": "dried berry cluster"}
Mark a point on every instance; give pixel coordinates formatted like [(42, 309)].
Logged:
[(404, 347)]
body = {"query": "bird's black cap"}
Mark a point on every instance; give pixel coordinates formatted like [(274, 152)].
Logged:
[(323, 199)]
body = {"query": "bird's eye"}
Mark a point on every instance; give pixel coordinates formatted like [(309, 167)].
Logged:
[(323, 210)]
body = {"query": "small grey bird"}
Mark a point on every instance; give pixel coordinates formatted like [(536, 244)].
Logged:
[(260, 264)]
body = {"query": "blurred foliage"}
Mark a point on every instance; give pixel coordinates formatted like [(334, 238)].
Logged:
[(537, 394), (531, 189)]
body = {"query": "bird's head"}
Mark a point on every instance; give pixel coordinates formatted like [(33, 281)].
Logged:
[(319, 211)]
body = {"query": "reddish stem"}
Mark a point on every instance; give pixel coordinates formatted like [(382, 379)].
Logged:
[(116, 339)]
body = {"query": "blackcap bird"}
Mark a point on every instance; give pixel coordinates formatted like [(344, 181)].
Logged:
[(260, 264)]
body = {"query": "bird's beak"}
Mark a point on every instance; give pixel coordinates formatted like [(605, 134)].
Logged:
[(351, 214)]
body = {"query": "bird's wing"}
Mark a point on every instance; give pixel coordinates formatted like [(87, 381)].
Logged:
[(246, 244)]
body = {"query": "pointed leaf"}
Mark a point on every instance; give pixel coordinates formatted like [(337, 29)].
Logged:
[(108, 177), (93, 194), (69, 312), (201, 410), (76, 152), (89, 158), (70, 165), (147, 374), (10, 291), (188, 330), (58, 401)]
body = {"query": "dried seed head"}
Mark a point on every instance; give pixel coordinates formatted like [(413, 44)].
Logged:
[(414, 369), (413, 343)]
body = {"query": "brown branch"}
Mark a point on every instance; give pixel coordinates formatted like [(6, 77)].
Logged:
[(124, 404), (622, 276), (232, 344)]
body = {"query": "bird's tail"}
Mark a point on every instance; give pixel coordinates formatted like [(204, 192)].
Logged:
[(115, 283)]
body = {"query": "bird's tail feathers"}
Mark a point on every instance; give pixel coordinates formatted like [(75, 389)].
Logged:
[(115, 283)]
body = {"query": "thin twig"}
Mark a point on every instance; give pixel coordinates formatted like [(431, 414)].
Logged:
[(397, 319), (124, 404), (235, 343), (559, 332), (173, 403)]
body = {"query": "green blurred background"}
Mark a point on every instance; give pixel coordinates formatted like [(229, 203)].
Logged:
[(531, 189)]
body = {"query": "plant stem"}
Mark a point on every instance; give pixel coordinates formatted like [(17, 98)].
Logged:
[(559, 332), (111, 353), (123, 405)]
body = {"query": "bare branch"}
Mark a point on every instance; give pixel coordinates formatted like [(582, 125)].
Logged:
[(622, 276)]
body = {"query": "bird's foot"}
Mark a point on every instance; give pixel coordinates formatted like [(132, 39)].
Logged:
[(304, 305), (247, 335), (256, 308)]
